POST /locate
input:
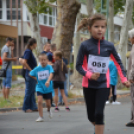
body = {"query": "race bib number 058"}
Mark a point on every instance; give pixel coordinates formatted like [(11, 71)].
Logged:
[(43, 75), (98, 64)]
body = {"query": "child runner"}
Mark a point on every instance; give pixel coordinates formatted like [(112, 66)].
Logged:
[(113, 82), (131, 77), (60, 70), (92, 63), (43, 74)]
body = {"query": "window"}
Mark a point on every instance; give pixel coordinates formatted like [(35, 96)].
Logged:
[(0, 9), (50, 19), (13, 10)]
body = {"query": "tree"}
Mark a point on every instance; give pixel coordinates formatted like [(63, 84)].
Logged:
[(36, 7), (76, 46), (111, 20), (90, 7), (124, 30), (64, 30)]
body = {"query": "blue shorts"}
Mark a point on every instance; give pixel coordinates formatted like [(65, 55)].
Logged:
[(8, 80), (45, 96)]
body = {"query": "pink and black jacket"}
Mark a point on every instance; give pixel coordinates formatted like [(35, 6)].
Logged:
[(101, 48)]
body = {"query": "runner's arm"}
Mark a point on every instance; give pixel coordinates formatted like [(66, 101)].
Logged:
[(80, 61), (5, 58), (24, 62), (117, 61)]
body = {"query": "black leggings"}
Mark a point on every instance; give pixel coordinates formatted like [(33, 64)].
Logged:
[(95, 102)]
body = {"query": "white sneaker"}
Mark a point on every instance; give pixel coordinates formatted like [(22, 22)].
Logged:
[(40, 119), (116, 103), (50, 114), (107, 102)]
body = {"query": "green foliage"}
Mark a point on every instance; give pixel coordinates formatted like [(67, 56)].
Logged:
[(40, 6), (83, 1), (118, 5)]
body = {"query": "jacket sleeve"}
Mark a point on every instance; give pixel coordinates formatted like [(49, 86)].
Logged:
[(131, 73), (65, 68), (117, 61), (55, 67), (79, 63)]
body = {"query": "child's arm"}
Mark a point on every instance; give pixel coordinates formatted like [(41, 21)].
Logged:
[(49, 79), (33, 77), (81, 60), (119, 66)]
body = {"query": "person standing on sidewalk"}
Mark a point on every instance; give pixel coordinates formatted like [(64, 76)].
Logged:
[(30, 63), (92, 63), (7, 57), (113, 82), (65, 84), (46, 48), (130, 75)]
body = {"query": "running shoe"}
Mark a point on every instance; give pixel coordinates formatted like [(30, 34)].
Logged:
[(130, 124), (67, 109), (40, 119), (50, 113), (107, 102), (57, 109), (116, 103)]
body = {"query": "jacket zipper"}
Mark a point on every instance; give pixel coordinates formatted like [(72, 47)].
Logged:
[(99, 47)]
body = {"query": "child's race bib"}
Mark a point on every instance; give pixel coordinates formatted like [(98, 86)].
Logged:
[(98, 64), (43, 75)]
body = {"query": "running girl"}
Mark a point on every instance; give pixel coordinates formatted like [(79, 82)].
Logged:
[(43, 74), (60, 70), (92, 63)]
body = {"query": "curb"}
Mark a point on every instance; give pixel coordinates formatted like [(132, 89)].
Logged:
[(69, 100)]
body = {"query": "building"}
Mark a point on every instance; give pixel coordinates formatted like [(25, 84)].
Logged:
[(15, 13)]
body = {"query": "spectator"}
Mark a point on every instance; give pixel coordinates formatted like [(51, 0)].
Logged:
[(7, 57), (46, 48), (30, 63), (50, 54), (65, 83)]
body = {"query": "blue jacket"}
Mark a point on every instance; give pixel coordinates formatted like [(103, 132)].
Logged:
[(113, 73)]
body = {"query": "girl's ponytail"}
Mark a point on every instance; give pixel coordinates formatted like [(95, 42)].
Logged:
[(83, 24)]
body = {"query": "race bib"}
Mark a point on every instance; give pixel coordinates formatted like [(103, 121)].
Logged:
[(43, 75), (98, 64)]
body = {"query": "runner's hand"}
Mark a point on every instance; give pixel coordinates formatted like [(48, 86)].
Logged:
[(131, 81), (95, 76), (127, 84), (47, 84)]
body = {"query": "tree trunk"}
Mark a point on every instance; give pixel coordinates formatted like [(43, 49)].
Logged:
[(124, 30), (64, 29), (76, 46), (35, 31), (111, 20), (90, 7)]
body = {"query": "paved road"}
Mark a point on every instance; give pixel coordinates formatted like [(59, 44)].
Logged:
[(74, 122)]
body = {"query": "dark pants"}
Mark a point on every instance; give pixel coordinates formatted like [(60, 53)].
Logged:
[(95, 102), (29, 99), (114, 97)]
